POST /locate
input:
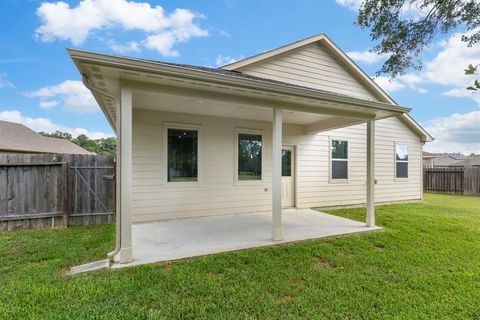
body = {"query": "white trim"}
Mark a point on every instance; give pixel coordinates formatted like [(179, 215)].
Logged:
[(395, 143), (237, 182), (330, 159), (180, 126)]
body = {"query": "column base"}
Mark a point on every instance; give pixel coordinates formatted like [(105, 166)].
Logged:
[(125, 255), (277, 235)]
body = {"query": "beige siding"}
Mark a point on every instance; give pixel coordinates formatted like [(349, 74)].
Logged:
[(312, 66), (216, 192)]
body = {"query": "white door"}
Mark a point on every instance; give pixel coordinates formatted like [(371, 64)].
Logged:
[(288, 176)]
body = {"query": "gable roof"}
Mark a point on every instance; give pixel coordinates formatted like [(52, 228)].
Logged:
[(345, 60), (95, 68), (15, 137)]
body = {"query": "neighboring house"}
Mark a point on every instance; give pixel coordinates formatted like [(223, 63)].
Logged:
[(443, 160), (471, 161), (17, 138), (299, 126)]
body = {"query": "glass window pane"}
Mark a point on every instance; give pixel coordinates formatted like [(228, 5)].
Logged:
[(286, 163), (401, 151), (339, 169), (402, 169), (249, 157), (182, 155), (339, 149)]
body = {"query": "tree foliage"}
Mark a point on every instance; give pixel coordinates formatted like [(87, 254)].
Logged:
[(403, 36), (104, 146)]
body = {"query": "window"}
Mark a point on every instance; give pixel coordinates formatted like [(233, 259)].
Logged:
[(286, 163), (182, 155), (401, 160), (249, 157), (339, 160)]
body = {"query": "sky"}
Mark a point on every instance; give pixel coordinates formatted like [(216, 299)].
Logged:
[(41, 88)]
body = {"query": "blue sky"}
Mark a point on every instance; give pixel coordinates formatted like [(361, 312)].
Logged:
[(39, 85)]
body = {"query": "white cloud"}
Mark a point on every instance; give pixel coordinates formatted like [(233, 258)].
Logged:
[(447, 67), (74, 95), (389, 85), (164, 30), (46, 125), (48, 104), (366, 56), (455, 133), (224, 60), (4, 83), (350, 4), (131, 46)]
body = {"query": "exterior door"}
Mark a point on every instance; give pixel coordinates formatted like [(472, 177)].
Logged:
[(288, 176)]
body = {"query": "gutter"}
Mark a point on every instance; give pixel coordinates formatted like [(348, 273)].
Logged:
[(118, 220)]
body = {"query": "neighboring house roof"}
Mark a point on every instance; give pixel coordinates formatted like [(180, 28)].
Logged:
[(15, 137), (345, 60), (471, 161), (429, 155), (448, 160)]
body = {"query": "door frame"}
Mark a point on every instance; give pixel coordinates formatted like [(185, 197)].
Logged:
[(295, 172)]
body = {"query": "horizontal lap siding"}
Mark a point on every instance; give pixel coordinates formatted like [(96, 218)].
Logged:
[(313, 67), (314, 188), (216, 192)]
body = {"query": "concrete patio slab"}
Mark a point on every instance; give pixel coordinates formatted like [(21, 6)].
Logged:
[(185, 238)]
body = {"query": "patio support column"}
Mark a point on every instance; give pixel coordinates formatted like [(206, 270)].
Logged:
[(125, 162), (277, 175), (371, 173)]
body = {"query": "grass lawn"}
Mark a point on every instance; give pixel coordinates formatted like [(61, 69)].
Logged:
[(424, 265)]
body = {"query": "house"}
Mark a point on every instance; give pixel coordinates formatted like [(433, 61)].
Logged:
[(470, 161), (299, 126), (17, 138), (443, 160)]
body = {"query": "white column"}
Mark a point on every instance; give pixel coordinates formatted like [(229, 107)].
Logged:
[(277, 175), (370, 173), (125, 157)]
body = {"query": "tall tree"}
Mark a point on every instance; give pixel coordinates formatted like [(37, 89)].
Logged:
[(403, 36)]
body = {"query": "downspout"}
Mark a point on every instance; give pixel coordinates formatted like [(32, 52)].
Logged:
[(118, 220)]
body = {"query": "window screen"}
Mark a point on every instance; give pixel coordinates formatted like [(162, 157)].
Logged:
[(249, 157), (401, 160), (182, 155), (339, 156)]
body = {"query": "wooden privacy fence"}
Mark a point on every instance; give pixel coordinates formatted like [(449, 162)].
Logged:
[(464, 181), (50, 190)]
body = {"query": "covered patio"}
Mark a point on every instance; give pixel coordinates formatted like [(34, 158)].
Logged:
[(208, 98), (185, 238)]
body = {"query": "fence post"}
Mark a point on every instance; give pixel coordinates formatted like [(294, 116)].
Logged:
[(65, 167)]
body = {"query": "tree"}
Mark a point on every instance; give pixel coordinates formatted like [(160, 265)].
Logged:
[(58, 134), (403, 36), (105, 146)]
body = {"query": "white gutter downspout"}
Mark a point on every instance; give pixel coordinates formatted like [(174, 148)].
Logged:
[(118, 220)]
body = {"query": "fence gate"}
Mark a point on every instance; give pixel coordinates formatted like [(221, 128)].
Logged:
[(55, 190)]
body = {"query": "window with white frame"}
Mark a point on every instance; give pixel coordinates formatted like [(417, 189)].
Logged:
[(182, 155), (401, 160), (249, 154), (339, 160)]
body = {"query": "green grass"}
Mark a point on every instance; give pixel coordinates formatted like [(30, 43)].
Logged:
[(425, 264)]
